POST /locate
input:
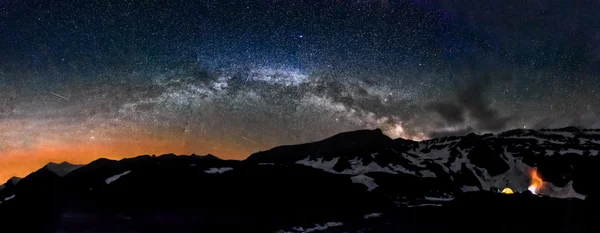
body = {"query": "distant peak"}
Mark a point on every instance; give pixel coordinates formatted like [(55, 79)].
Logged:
[(62, 169), (378, 130), (352, 141), (10, 182), (59, 164), (472, 135), (573, 129), (361, 134), (211, 156), (14, 180), (63, 164), (171, 155)]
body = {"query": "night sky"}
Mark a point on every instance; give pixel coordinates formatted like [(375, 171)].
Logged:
[(84, 79)]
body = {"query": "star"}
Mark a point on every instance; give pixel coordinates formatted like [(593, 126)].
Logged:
[(193, 77)]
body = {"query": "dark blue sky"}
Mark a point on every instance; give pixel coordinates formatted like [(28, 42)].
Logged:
[(533, 34)]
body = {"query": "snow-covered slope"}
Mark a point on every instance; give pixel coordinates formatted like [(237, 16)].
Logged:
[(358, 181), (471, 162)]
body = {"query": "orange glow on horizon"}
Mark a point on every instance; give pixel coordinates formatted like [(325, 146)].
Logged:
[(536, 181), (22, 162)]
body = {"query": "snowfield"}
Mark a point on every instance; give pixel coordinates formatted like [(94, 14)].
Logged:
[(220, 170), (116, 177)]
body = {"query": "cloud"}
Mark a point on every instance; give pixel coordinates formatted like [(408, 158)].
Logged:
[(543, 123), (564, 120), (585, 121), (474, 101), (452, 132), (469, 111), (452, 113)]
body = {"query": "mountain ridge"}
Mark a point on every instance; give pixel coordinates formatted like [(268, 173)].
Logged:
[(351, 140), (359, 181)]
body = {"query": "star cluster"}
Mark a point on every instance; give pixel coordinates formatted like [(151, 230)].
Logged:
[(81, 80)]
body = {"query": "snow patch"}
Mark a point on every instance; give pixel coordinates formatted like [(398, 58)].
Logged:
[(456, 166), (441, 154), (467, 189), (540, 141), (367, 181), (588, 141), (319, 164), (556, 142), (516, 177), (592, 131), (427, 174), (417, 159), (263, 164), (372, 215), (571, 151), (116, 177), (219, 170), (356, 166), (567, 191), (439, 198), (317, 227), (564, 134), (9, 197), (401, 169)]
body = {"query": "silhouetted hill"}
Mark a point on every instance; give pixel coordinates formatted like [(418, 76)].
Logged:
[(359, 181)]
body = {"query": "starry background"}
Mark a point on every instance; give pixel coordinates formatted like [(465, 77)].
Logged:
[(84, 79)]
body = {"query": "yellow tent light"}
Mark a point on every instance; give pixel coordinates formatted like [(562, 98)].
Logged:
[(507, 190)]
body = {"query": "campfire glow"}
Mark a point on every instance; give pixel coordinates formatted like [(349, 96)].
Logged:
[(536, 182), (507, 190)]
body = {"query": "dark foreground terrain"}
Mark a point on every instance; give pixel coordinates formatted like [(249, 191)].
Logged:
[(358, 181)]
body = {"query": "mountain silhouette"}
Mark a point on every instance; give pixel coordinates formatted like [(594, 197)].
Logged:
[(360, 181)]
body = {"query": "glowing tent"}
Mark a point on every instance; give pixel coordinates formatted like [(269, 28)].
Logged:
[(507, 190)]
